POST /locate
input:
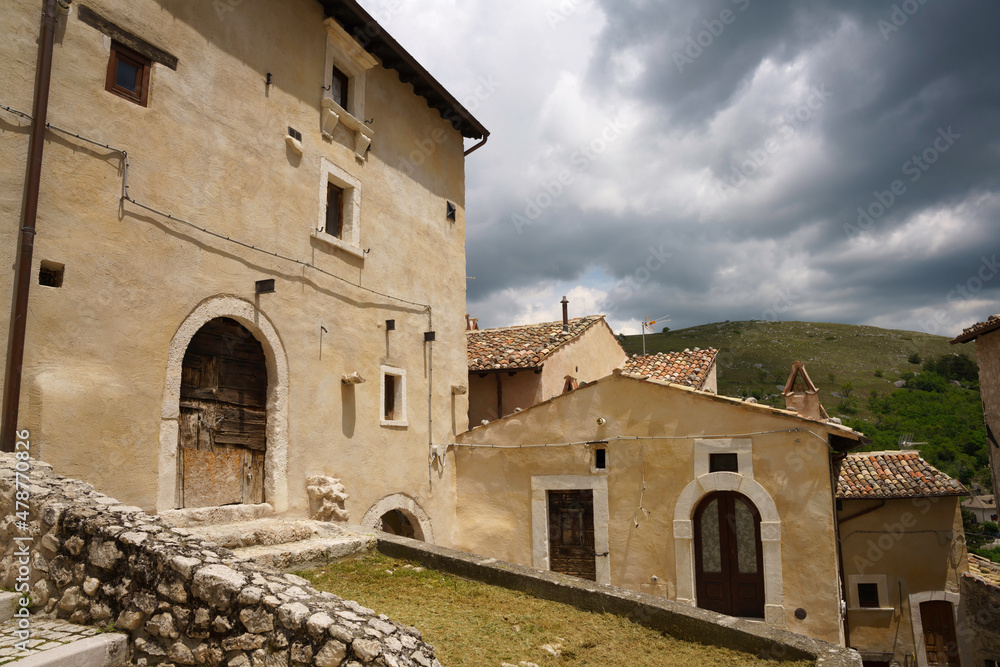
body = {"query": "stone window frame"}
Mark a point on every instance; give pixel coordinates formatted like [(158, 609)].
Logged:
[(706, 482), (350, 230), (540, 486), (345, 54), (400, 396), (853, 599)]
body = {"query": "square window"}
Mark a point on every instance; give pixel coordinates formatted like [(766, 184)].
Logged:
[(723, 463), (128, 74), (334, 210), (868, 595), (393, 397), (338, 87), (50, 274)]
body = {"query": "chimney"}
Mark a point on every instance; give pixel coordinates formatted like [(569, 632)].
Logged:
[(565, 305), (471, 323)]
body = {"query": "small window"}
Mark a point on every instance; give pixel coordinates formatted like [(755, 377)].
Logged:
[(334, 210), (338, 88), (723, 463), (600, 458), (868, 596), (393, 403), (451, 211), (128, 74), (50, 274)]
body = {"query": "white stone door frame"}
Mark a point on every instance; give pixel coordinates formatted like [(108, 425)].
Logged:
[(540, 486), (276, 454), (770, 535), (919, 647)]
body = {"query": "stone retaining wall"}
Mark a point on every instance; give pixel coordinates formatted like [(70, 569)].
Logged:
[(181, 600)]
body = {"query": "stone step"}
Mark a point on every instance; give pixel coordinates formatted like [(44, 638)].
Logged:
[(309, 553), (263, 532), (55, 643), (204, 516)]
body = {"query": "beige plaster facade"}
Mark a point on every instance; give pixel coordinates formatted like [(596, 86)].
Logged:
[(212, 147), (593, 354), (658, 439), (913, 550), (988, 356)]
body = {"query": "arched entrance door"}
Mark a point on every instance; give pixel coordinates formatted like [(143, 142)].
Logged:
[(223, 417), (729, 563)]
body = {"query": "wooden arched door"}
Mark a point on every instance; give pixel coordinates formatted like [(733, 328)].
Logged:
[(223, 417), (729, 563)]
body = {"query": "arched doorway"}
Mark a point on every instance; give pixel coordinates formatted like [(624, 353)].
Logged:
[(729, 563), (399, 514), (395, 522), (222, 439)]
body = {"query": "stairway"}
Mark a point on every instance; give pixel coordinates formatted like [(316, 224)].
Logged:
[(255, 534)]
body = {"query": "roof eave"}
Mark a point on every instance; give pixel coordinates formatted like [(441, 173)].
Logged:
[(381, 44)]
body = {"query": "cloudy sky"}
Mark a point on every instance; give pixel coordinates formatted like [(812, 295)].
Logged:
[(715, 160)]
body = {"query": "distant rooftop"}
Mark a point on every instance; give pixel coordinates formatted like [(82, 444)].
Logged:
[(689, 367), (898, 474), (522, 347), (984, 570), (971, 333)]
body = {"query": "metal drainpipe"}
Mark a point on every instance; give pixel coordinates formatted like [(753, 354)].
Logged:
[(22, 270), (479, 145)]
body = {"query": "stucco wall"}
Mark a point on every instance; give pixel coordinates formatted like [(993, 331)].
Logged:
[(988, 356), (518, 388), (494, 514), (210, 148), (590, 356), (917, 545)]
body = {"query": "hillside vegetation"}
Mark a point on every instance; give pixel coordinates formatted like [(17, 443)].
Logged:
[(856, 369)]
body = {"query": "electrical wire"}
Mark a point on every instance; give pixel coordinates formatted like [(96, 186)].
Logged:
[(127, 197), (617, 438)]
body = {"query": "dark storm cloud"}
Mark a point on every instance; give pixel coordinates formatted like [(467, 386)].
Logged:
[(907, 125)]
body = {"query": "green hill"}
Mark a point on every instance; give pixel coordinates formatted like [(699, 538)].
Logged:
[(755, 357), (855, 368)]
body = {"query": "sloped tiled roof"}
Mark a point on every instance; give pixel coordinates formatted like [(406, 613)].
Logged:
[(980, 503), (689, 367), (978, 329), (893, 475), (984, 570), (525, 346)]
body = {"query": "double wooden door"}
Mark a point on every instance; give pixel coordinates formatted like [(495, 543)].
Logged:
[(938, 620), (571, 533), (223, 417), (729, 563)]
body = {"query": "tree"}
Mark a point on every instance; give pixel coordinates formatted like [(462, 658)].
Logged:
[(666, 329)]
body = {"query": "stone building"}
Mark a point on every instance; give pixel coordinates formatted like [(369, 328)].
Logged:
[(648, 485), (987, 337), (249, 268), (516, 367), (903, 553)]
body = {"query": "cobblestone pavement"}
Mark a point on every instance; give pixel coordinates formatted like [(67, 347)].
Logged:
[(45, 634)]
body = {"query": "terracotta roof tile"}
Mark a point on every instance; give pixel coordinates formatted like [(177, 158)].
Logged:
[(525, 346), (978, 329), (893, 475), (984, 570), (689, 367)]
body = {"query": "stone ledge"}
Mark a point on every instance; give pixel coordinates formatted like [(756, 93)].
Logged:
[(650, 611)]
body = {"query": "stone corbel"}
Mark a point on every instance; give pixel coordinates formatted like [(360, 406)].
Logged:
[(329, 116), (333, 113)]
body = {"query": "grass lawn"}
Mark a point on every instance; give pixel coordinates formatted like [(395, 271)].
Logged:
[(476, 625)]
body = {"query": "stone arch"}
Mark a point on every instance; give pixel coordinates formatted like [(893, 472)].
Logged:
[(409, 508), (770, 535), (276, 459)]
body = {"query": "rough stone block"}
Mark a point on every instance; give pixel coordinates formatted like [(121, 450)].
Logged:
[(217, 585), (331, 655)]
